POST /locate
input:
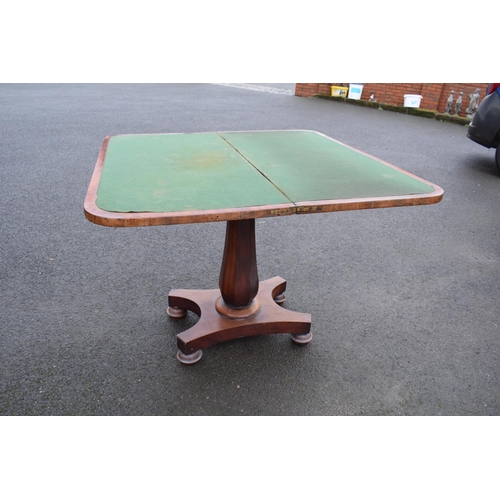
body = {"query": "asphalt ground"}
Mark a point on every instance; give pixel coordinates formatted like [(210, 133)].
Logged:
[(404, 301)]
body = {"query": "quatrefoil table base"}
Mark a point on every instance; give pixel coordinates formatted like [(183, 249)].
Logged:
[(265, 316)]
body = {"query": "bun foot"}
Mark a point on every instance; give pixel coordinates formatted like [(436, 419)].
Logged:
[(279, 299), (176, 312), (302, 339), (189, 359)]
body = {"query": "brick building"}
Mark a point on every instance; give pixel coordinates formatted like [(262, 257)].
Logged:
[(434, 95)]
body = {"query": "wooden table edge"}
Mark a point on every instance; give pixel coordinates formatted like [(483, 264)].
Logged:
[(340, 205), (126, 219)]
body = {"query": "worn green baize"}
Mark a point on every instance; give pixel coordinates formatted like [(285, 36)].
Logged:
[(183, 172)]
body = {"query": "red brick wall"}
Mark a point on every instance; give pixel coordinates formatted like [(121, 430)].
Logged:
[(325, 88), (391, 93), (306, 89), (434, 95), (431, 95)]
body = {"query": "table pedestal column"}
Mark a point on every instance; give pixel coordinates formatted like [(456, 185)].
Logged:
[(241, 307)]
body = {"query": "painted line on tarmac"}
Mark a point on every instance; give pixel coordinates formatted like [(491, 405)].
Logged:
[(257, 88)]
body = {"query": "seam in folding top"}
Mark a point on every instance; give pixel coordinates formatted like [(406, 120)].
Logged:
[(256, 168)]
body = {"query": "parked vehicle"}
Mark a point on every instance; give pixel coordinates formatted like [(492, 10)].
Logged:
[(485, 126)]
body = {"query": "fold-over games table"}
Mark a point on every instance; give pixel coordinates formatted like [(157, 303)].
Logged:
[(152, 179)]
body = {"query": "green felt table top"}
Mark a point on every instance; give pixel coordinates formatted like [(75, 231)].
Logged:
[(208, 171)]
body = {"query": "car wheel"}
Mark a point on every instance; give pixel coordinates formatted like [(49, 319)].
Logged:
[(497, 156)]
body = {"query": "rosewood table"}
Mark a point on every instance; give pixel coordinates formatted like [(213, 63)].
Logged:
[(153, 179)]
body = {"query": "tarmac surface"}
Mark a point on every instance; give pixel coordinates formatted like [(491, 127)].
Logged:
[(404, 301)]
